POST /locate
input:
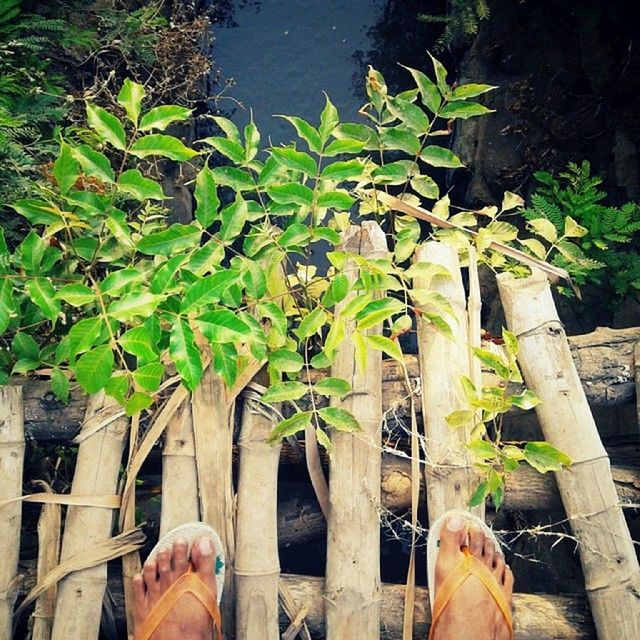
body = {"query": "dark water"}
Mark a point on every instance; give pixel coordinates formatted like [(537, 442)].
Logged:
[(280, 55)]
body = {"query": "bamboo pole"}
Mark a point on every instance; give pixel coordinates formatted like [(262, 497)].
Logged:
[(353, 528), (609, 562), (179, 472), (48, 557), (80, 595), (257, 567), (449, 476), (213, 430), (11, 463)]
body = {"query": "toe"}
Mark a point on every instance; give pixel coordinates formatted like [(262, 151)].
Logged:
[(498, 568), (453, 533), (204, 558), (508, 582), (476, 540), (488, 553), (180, 560), (164, 568), (150, 578), (139, 600)]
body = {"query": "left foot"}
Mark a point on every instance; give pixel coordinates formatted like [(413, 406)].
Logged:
[(189, 619)]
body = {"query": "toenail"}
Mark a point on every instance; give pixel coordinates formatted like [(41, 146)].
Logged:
[(455, 523), (181, 542), (205, 546)]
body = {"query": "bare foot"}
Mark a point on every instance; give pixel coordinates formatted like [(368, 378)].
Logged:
[(188, 620), (471, 612)]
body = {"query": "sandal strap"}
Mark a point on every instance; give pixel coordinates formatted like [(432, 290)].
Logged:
[(469, 566), (187, 583)]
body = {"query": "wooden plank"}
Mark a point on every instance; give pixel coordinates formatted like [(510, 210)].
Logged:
[(353, 527), (80, 595), (609, 561), (11, 463), (257, 566)]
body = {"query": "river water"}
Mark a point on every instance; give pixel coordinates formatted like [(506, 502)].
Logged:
[(280, 55)]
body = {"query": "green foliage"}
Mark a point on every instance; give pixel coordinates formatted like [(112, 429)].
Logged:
[(573, 201), (461, 22), (486, 409)]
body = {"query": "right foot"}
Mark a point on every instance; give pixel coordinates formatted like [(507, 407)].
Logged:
[(472, 612), (189, 619)]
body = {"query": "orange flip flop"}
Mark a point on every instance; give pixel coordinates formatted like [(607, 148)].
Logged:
[(468, 566), (188, 582)]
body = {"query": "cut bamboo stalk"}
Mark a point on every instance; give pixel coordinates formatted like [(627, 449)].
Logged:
[(11, 463), (636, 366), (353, 528), (449, 476), (48, 558), (179, 472), (257, 567), (80, 595), (609, 562), (213, 431)]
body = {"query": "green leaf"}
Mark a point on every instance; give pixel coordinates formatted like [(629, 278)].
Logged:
[(35, 211), (464, 110), (440, 157), (149, 376), (492, 361), (481, 449), (139, 342), (398, 138), (378, 311), (543, 228), (306, 132), (430, 95), (136, 304), (311, 323), (118, 280), (535, 247), (185, 354), (544, 457), (336, 291), (233, 217), (479, 495), (176, 238), (572, 229), (93, 368), (345, 145), (235, 178), (441, 74), (526, 400), (466, 91), (31, 251), (84, 334), (295, 235), (356, 304), (286, 361), (25, 347), (285, 391), (335, 336), (341, 419), (511, 201), (42, 293), (223, 325), (393, 172), (387, 346), (410, 114), (295, 161), (165, 274), (206, 195), (208, 289), (118, 387), (254, 280), (230, 129), (228, 148), (138, 402), (225, 362), (65, 168), (7, 304), (161, 117), (339, 200), (460, 418), (107, 126), (59, 384), (290, 426), (94, 163), (323, 439), (332, 387), (76, 295), (251, 141), (141, 188), (130, 99), (325, 233), (343, 170), (157, 144), (291, 193), (329, 119)]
